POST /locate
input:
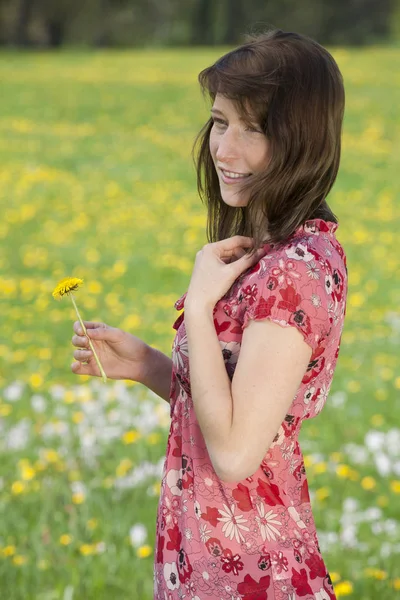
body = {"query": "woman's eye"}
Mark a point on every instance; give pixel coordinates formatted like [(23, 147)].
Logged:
[(254, 129), (218, 121)]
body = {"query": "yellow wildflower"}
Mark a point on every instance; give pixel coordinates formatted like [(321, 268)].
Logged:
[(78, 498), (375, 573), (368, 483), (9, 551), (395, 486), (130, 437), (92, 523), (66, 286), (65, 539), (86, 549), (342, 470), (344, 588), (322, 493), (17, 487), (144, 551)]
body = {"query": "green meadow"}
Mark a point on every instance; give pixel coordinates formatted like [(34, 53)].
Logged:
[(97, 182)]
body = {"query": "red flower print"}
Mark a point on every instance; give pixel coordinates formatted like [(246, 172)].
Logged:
[(263, 308), (272, 283), (222, 326), (268, 472), (290, 299), (305, 494), (264, 562), (177, 451), (300, 583), (242, 496), (175, 538), (171, 511), (230, 562), (280, 561), (314, 368), (211, 515), (214, 547), (250, 293), (187, 472), (299, 471), (254, 590), (185, 569), (316, 566), (303, 320), (160, 549), (269, 492)]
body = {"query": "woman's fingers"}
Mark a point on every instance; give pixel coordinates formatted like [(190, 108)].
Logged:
[(80, 341), (88, 324), (83, 355)]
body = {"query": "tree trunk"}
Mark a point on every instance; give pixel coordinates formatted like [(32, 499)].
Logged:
[(235, 18), (56, 32), (202, 23), (23, 18)]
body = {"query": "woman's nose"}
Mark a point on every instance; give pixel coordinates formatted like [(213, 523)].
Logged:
[(228, 146)]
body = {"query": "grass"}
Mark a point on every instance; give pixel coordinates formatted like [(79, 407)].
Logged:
[(98, 183)]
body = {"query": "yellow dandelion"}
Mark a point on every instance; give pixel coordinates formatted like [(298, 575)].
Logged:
[(9, 551), (66, 286), (65, 539), (144, 551), (368, 483), (17, 487), (129, 437), (396, 584), (344, 588), (78, 498), (395, 486), (322, 493), (87, 549)]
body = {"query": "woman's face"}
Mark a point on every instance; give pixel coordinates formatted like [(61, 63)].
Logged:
[(237, 150)]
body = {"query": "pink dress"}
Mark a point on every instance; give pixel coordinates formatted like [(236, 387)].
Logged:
[(253, 539)]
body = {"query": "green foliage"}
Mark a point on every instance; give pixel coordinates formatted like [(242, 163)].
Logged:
[(98, 183)]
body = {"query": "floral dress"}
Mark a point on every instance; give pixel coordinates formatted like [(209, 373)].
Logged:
[(253, 539)]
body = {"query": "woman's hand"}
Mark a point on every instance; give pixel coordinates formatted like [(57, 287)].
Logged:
[(122, 355), (216, 268)]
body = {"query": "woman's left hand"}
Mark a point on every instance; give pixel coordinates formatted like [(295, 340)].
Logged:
[(217, 266)]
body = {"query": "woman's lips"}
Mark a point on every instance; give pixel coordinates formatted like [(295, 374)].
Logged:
[(230, 180)]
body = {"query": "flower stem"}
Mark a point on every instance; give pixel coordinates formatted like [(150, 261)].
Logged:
[(103, 375)]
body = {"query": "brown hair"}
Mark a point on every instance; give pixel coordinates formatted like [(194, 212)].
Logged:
[(293, 87)]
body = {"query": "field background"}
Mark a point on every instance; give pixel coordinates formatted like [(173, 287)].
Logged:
[(97, 182)]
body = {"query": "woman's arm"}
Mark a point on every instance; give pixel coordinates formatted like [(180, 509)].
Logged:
[(158, 373)]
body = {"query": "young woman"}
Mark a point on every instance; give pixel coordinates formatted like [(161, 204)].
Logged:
[(257, 344)]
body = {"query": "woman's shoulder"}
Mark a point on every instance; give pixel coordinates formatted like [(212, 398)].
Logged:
[(312, 244)]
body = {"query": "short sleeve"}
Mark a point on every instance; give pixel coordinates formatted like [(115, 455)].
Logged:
[(290, 291)]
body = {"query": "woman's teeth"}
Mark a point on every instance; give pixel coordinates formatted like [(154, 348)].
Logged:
[(232, 175)]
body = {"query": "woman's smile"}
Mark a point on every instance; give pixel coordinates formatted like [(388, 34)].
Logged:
[(230, 177)]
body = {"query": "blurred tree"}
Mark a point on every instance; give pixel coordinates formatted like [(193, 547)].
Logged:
[(200, 22), (235, 18), (24, 13), (202, 29)]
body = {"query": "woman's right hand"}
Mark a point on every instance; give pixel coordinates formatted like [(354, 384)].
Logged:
[(122, 355)]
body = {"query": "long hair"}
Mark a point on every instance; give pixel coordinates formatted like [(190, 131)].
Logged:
[(294, 89)]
